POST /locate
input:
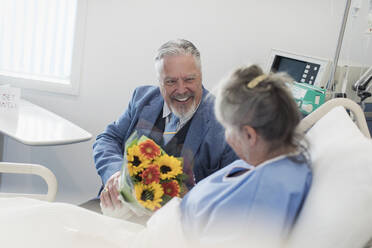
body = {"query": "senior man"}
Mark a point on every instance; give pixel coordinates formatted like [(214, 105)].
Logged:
[(179, 102)]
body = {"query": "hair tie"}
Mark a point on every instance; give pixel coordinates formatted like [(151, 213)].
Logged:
[(254, 82)]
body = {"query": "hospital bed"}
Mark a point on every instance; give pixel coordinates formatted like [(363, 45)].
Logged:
[(337, 211), (33, 169)]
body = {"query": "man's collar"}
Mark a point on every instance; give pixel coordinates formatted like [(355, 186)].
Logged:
[(166, 110)]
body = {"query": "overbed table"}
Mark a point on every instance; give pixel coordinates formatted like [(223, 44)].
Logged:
[(35, 126)]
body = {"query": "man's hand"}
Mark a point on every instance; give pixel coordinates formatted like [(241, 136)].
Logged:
[(110, 193)]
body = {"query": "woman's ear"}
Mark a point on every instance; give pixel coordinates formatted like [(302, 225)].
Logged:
[(250, 134)]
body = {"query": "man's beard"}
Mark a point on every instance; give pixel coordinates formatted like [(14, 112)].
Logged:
[(184, 112)]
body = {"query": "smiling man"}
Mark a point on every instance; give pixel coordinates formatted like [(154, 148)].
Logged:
[(181, 85), (178, 115)]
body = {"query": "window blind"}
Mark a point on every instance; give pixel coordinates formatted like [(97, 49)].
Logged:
[(36, 39)]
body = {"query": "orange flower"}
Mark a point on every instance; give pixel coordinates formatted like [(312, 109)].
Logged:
[(149, 149), (171, 188), (151, 174)]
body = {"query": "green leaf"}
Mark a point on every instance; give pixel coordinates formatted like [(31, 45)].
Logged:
[(166, 198), (182, 177)]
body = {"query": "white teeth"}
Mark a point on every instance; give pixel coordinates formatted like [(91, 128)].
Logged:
[(182, 99)]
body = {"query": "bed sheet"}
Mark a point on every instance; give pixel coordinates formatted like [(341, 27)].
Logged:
[(32, 223)]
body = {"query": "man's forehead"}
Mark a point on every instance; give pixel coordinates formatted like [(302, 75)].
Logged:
[(180, 59), (182, 76)]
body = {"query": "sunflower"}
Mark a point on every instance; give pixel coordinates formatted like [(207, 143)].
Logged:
[(169, 166), (171, 188), (149, 195), (136, 161), (149, 149), (151, 174)]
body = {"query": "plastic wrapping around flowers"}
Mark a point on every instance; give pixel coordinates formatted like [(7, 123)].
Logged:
[(149, 176)]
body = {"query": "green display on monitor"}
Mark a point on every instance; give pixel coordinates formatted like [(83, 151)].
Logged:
[(308, 97)]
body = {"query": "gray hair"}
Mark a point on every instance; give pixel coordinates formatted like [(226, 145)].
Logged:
[(268, 106), (176, 47)]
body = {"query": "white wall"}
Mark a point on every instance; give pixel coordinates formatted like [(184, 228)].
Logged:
[(121, 40)]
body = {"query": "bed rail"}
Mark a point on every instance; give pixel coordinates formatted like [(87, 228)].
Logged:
[(35, 169), (348, 104)]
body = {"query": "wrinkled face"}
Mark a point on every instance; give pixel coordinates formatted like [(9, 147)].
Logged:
[(180, 84)]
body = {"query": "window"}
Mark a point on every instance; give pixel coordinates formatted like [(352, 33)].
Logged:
[(41, 44)]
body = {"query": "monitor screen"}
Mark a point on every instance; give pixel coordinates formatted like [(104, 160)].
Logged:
[(300, 71)]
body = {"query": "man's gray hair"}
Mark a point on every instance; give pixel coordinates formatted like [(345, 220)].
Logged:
[(176, 47)]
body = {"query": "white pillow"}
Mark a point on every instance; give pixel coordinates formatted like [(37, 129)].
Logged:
[(338, 209)]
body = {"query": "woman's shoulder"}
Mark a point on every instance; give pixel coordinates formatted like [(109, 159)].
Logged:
[(290, 171), (292, 162)]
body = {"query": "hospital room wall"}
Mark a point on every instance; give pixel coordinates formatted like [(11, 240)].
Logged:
[(120, 41)]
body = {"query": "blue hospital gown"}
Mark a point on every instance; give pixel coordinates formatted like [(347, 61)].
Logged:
[(223, 207)]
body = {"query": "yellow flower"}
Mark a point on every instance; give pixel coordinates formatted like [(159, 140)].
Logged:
[(169, 166), (136, 161), (150, 195)]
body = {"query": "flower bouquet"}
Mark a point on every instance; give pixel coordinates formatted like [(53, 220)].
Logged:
[(149, 176)]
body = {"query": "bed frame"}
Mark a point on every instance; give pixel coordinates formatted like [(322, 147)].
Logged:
[(357, 115), (34, 169)]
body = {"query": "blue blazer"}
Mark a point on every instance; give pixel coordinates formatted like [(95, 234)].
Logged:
[(204, 147)]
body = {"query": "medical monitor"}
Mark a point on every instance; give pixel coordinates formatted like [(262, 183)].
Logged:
[(301, 68)]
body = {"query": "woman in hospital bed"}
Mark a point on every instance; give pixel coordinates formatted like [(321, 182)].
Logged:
[(262, 193), (256, 199)]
